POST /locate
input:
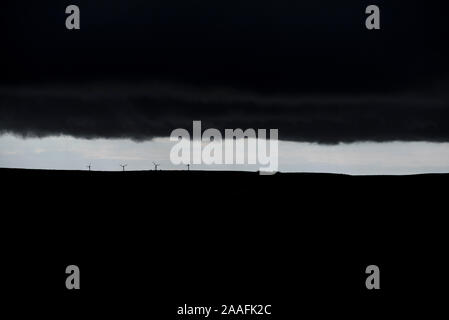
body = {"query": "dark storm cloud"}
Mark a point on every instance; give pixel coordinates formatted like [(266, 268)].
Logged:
[(141, 112), (281, 45), (308, 68)]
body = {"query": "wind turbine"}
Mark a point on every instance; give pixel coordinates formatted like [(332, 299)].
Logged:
[(89, 166), (156, 165), (123, 166)]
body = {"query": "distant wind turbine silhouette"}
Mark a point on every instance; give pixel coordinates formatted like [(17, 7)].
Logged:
[(156, 165), (123, 166)]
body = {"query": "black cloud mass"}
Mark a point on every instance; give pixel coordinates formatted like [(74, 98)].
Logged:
[(139, 69)]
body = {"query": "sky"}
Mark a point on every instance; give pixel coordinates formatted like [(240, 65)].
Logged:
[(68, 153), (136, 70)]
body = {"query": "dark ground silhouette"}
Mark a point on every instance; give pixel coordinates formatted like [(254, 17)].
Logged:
[(155, 240)]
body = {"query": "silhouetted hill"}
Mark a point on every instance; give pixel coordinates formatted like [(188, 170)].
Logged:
[(379, 203), (184, 173), (172, 237)]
